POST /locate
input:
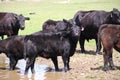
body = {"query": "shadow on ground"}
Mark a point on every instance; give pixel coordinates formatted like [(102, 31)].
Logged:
[(90, 52)]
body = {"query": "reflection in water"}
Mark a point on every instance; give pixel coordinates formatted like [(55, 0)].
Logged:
[(18, 74), (42, 72)]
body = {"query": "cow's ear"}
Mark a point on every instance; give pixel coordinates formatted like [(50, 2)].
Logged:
[(27, 18), (20, 15), (114, 10), (15, 15), (66, 21)]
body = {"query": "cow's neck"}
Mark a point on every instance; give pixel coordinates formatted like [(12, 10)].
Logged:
[(109, 19), (73, 44)]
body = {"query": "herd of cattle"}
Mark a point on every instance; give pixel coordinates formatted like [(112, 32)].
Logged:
[(59, 38)]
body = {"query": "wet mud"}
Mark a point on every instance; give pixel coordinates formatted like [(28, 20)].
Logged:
[(83, 67), (42, 72)]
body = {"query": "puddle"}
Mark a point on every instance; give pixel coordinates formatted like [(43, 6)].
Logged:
[(42, 72)]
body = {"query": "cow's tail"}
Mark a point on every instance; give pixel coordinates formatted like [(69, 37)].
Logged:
[(98, 44), (25, 48), (25, 53)]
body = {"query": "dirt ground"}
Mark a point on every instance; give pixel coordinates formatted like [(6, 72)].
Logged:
[(87, 67), (83, 67)]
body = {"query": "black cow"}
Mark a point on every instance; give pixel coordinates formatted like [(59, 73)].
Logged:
[(91, 22), (54, 26), (49, 45), (109, 35), (10, 23), (13, 47)]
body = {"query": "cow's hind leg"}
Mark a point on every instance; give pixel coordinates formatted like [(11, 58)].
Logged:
[(29, 63), (32, 67), (105, 56), (55, 62), (112, 66), (98, 46)]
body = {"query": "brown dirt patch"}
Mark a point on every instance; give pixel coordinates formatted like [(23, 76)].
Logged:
[(87, 67)]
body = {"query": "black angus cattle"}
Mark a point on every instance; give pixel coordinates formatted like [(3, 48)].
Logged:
[(10, 23), (54, 26), (48, 45), (109, 35), (91, 21), (13, 48)]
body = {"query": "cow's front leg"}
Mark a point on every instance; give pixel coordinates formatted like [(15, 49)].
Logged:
[(66, 63), (13, 63), (81, 42), (55, 62)]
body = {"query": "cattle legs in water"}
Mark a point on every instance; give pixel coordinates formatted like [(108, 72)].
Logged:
[(13, 63), (107, 55), (30, 64), (65, 61), (55, 62)]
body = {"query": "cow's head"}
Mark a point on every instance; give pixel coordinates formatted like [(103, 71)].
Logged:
[(21, 21), (75, 30), (115, 15)]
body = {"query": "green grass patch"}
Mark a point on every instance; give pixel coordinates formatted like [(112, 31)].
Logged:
[(53, 9)]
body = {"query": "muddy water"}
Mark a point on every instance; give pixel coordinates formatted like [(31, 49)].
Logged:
[(42, 72)]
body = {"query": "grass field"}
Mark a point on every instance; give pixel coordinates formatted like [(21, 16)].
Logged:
[(53, 9)]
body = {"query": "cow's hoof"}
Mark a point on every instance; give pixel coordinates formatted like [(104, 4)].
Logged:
[(66, 69), (105, 68), (33, 71), (113, 68), (98, 52), (25, 73), (57, 69), (11, 69), (83, 51)]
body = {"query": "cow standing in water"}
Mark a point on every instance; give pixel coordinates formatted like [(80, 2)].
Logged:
[(91, 21), (109, 35), (49, 45), (13, 48), (10, 23)]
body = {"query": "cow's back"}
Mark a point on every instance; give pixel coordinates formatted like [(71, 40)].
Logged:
[(48, 44), (2, 15), (110, 30)]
